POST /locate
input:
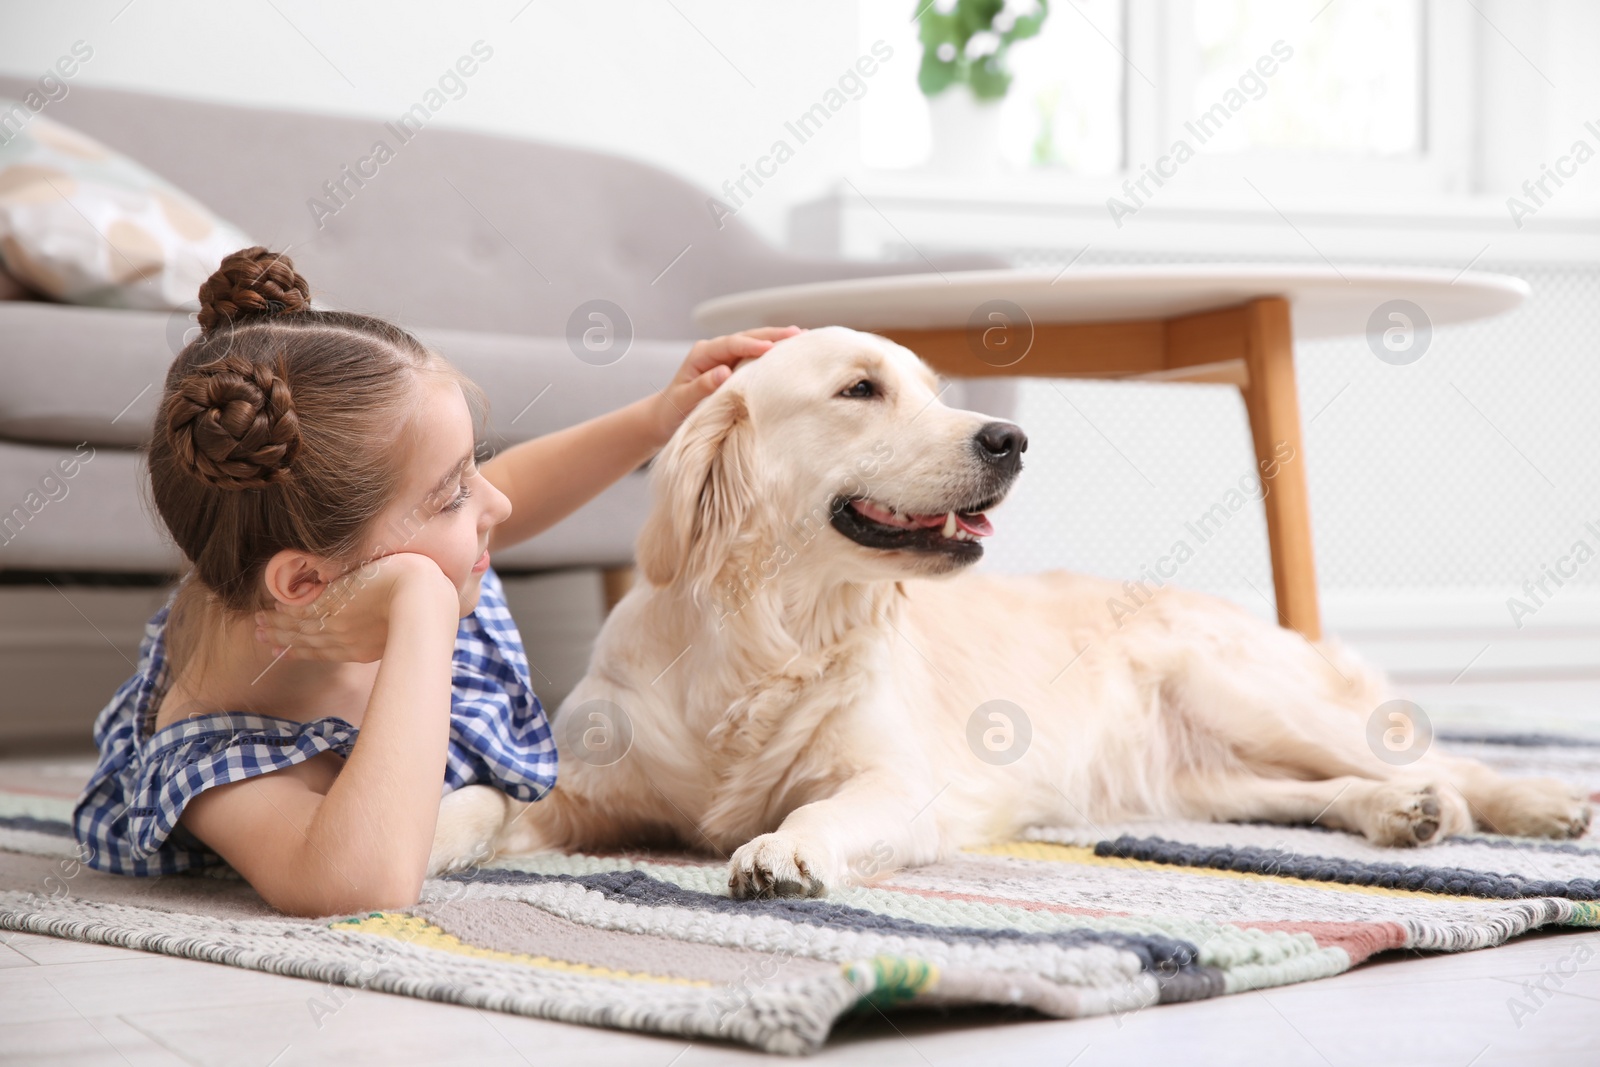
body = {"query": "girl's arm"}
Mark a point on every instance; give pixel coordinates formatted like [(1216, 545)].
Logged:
[(317, 840), (548, 478)]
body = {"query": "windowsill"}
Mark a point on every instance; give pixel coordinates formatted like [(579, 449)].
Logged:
[(1015, 209), (1033, 189)]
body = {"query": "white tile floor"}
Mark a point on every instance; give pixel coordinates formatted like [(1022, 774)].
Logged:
[(63, 1002)]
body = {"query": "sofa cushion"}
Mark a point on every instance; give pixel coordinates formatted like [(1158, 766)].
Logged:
[(100, 517), (82, 224), (87, 374), (70, 372)]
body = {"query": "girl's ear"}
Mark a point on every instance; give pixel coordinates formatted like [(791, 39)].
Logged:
[(295, 578), (704, 487)]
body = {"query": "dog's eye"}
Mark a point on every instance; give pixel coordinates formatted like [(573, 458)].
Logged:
[(863, 388)]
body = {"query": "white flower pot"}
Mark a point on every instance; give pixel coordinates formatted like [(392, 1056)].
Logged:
[(965, 133)]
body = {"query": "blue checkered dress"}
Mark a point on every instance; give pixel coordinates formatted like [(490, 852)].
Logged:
[(127, 818)]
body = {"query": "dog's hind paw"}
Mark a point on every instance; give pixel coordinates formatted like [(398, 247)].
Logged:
[(1535, 807), (1407, 814), (775, 865)]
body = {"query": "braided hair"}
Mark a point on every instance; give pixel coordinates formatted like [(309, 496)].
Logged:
[(281, 426)]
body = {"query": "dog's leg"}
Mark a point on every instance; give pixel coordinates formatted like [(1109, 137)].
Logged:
[(1296, 720), (1524, 807), (1275, 718), (568, 818), (470, 819), (871, 825), (1399, 813), (478, 822), (1281, 723)]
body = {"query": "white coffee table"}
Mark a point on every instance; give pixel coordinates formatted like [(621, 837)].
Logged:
[(1230, 323)]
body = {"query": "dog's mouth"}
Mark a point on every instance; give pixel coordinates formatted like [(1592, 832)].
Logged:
[(954, 532)]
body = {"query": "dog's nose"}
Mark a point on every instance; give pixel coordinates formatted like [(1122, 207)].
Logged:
[(1002, 442)]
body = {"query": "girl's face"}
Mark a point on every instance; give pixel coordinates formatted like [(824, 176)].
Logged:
[(445, 508)]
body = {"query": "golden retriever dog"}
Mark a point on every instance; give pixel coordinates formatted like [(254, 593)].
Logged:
[(810, 679)]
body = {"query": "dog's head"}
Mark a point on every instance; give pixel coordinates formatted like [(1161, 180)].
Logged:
[(832, 448)]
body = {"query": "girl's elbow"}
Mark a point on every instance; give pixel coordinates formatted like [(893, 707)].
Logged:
[(388, 892), (399, 893), (392, 891)]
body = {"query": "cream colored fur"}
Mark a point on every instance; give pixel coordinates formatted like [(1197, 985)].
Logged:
[(801, 703)]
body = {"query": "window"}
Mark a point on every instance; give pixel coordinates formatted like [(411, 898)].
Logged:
[(1353, 84), (1364, 96), (1064, 109)]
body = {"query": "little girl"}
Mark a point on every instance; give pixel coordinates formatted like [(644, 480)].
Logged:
[(338, 652)]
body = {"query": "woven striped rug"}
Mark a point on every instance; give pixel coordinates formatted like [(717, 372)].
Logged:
[(1069, 923)]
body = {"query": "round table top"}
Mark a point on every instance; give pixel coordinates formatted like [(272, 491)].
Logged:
[(1324, 302)]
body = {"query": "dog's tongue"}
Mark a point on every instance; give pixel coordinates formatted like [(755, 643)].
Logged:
[(976, 523)]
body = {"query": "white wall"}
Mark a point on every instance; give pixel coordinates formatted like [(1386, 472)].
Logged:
[(700, 87)]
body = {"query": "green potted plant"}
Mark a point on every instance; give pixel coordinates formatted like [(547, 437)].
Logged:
[(965, 76)]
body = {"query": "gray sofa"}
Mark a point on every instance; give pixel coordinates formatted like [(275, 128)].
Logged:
[(485, 246)]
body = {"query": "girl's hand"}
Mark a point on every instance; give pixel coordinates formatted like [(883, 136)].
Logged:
[(708, 366), (548, 478), (349, 621)]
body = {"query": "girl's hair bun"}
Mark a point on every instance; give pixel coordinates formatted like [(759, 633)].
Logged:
[(252, 283), (232, 423)]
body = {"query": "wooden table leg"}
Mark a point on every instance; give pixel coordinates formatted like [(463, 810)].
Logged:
[(615, 583), (1274, 410)]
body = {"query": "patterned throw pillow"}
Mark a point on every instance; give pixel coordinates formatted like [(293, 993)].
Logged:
[(83, 224)]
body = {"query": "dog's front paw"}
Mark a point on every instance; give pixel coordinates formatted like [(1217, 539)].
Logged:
[(777, 865), (470, 819), (1537, 807), (1406, 814)]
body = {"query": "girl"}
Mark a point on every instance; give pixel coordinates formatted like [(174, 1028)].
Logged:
[(339, 648)]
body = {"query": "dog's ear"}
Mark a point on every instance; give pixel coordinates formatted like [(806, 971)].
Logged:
[(703, 484)]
